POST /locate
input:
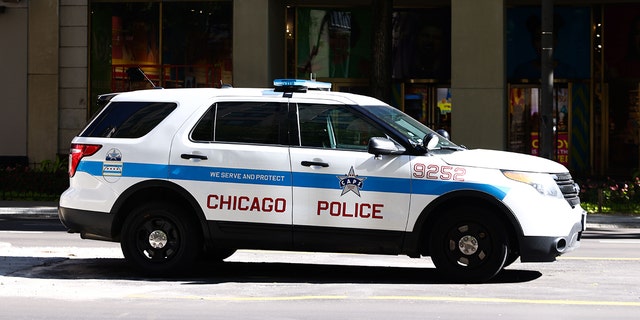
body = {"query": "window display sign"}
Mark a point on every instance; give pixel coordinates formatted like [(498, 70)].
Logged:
[(562, 146), (444, 100)]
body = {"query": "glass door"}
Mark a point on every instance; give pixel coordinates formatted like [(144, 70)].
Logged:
[(429, 103), (524, 120)]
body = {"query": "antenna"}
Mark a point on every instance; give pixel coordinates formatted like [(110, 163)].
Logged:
[(145, 76)]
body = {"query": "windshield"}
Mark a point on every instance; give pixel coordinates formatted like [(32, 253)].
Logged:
[(413, 130)]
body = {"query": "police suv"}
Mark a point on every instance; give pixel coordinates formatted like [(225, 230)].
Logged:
[(179, 174)]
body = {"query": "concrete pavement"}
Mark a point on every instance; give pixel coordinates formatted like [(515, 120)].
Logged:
[(49, 210), (27, 209)]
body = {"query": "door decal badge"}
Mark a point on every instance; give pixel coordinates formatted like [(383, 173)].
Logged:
[(351, 182), (112, 166)]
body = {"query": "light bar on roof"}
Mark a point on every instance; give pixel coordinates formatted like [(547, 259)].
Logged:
[(297, 84)]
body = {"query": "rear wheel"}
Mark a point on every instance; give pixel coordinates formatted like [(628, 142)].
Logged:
[(160, 239), (468, 244)]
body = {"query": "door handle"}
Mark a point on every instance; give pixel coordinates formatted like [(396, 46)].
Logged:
[(314, 163), (193, 156)]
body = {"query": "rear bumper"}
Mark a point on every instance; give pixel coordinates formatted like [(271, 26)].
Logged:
[(546, 249), (90, 224)]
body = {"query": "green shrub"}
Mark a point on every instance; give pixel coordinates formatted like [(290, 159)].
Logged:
[(41, 182), (610, 195)]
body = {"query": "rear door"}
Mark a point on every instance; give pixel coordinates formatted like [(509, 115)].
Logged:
[(234, 160), (344, 198)]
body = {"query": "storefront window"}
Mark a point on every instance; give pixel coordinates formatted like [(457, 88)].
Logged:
[(138, 45), (571, 49), (123, 36), (196, 47), (571, 61), (622, 76), (422, 64), (333, 43), (422, 44)]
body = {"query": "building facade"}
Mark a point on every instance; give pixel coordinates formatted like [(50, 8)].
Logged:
[(471, 67)]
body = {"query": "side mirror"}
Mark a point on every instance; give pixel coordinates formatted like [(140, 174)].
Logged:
[(444, 133), (430, 141), (379, 146)]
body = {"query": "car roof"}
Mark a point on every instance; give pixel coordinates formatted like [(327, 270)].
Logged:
[(186, 95)]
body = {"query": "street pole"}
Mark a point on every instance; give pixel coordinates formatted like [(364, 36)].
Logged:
[(546, 135), (381, 50)]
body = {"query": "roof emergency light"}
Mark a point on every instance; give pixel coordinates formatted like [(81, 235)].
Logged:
[(298, 85)]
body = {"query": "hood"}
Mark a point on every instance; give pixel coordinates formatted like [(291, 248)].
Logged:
[(503, 160)]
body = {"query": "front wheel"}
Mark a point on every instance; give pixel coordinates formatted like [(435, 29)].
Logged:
[(468, 245), (160, 239)]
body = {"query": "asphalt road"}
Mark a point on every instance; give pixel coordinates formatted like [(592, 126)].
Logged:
[(47, 273)]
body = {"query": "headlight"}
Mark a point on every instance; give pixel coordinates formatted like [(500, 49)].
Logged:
[(542, 182)]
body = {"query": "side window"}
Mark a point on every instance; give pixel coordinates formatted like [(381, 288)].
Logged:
[(243, 122), (203, 131), (336, 127), (128, 119)]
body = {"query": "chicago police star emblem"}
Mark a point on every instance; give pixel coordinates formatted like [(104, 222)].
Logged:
[(351, 182)]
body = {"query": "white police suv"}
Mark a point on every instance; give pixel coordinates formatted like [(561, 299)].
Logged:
[(178, 174)]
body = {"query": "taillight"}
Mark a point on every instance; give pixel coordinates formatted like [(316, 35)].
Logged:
[(77, 152)]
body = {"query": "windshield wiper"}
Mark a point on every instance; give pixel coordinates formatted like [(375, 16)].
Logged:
[(454, 148)]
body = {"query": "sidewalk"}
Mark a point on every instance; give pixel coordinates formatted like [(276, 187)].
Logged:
[(27, 209), (49, 210)]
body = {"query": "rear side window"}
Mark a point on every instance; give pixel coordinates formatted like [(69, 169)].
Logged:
[(128, 119), (243, 122)]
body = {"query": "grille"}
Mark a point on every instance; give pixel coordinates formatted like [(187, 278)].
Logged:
[(570, 190)]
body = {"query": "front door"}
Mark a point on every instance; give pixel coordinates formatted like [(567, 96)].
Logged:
[(345, 199)]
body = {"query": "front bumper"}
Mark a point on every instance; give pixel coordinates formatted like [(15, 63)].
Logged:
[(546, 249)]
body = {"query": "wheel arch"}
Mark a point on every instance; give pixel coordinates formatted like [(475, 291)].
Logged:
[(419, 243), (155, 190)]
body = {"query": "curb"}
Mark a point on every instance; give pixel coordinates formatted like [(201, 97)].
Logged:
[(610, 221)]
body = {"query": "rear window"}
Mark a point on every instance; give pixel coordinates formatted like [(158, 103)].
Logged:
[(128, 119)]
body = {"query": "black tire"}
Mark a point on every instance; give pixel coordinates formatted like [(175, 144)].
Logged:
[(159, 239), (511, 258), (468, 244)]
